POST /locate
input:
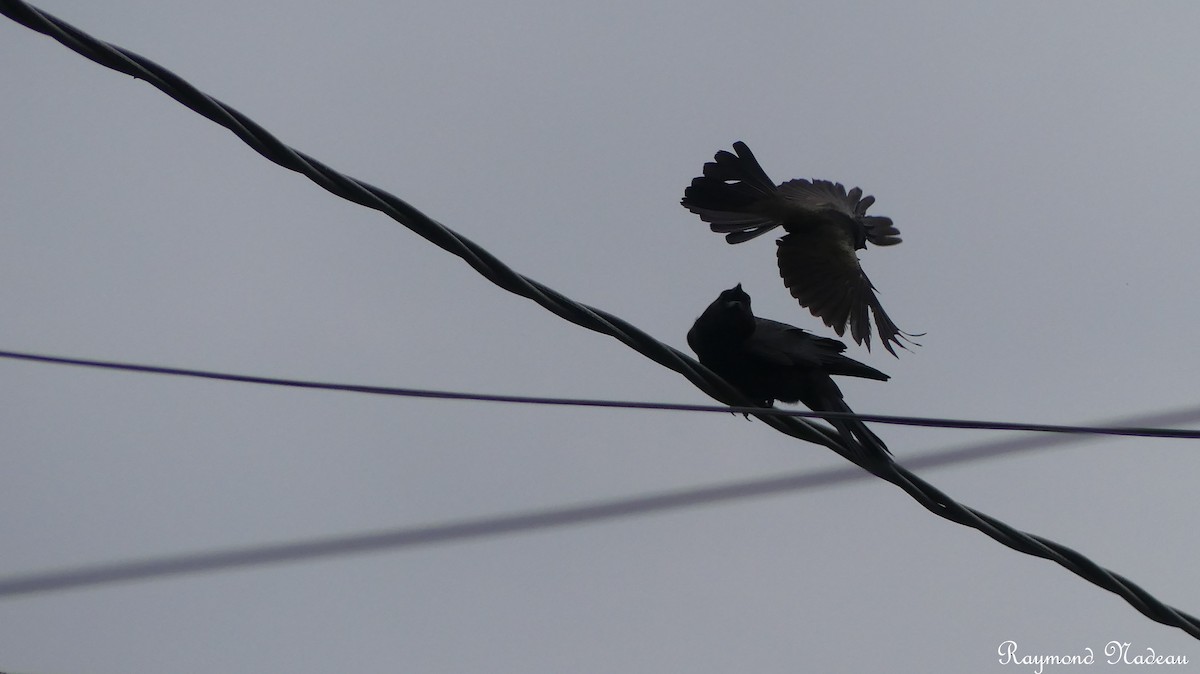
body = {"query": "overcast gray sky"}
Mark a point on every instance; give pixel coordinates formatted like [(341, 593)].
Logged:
[(1037, 157)]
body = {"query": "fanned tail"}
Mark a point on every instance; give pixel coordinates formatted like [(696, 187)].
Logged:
[(727, 194)]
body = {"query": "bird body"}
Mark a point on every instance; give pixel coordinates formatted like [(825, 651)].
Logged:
[(825, 227), (767, 361)]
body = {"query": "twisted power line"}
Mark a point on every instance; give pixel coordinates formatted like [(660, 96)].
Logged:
[(591, 318)]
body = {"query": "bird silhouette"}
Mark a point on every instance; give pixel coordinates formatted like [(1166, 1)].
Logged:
[(817, 256), (767, 361)]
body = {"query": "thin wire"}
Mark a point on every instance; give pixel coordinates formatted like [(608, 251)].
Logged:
[(931, 498), (930, 422), (484, 527)]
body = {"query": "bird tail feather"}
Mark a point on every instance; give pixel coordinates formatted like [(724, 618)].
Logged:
[(856, 434), (727, 192)]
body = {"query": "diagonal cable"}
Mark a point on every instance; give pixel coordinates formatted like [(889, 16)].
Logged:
[(591, 318), (464, 530)]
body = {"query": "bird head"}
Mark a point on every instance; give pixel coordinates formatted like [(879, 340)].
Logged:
[(730, 315), (735, 299)]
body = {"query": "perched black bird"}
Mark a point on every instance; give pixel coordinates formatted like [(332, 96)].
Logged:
[(768, 361), (825, 226)]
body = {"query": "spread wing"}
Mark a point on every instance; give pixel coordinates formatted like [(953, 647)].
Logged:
[(821, 270), (820, 195), (801, 202)]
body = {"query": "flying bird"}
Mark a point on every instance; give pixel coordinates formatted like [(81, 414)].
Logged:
[(768, 361), (825, 225)]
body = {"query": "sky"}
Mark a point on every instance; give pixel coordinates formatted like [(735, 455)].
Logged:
[(1038, 159)]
